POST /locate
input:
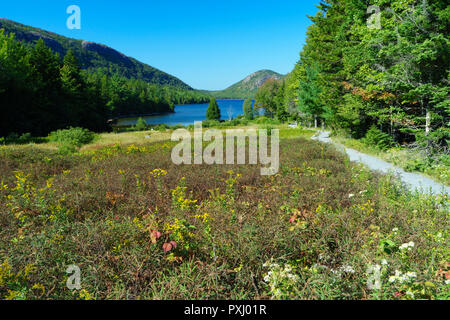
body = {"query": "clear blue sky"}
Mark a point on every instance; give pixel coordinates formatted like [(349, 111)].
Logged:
[(209, 44)]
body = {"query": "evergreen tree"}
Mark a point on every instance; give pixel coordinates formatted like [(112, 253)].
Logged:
[(394, 77), (45, 113), (74, 87), (309, 95), (39, 95), (15, 86), (213, 111), (281, 112)]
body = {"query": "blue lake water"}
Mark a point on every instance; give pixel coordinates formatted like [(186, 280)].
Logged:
[(189, 113)]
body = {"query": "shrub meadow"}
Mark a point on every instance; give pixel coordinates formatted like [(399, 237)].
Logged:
[(140, 227)]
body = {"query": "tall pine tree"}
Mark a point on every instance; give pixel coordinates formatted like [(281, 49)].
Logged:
[(213, 111)]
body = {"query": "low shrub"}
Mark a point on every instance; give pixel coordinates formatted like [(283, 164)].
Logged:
[(73, 136), (14, 138), (161, 127), (376, 138), (211, 123), (417, 165), (69, 140)]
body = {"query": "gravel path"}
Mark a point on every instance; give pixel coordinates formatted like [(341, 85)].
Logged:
[(413, 180)]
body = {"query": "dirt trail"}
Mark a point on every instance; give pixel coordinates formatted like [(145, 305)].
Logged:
[(413, 180)]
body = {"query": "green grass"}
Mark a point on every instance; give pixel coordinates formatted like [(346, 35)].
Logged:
[(323, 218)]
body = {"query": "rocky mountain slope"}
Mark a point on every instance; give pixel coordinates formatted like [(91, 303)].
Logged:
[(247, 87)]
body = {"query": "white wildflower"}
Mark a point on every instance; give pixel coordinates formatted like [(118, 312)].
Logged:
[(401, 278), (280, 279), (407, 246), (343, 269)]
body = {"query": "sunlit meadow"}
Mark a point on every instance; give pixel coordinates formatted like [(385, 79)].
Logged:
[(140, 227)]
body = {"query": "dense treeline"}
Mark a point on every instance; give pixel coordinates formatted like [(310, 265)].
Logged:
[(361, 69), (131, 96), (40, 93)]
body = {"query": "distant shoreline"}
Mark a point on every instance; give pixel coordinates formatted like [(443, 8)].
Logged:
[(167, 112), (120, 120), (140, 115)]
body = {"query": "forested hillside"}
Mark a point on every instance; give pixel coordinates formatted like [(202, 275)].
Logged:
[(40, 92), (92, 56), (386, 78)]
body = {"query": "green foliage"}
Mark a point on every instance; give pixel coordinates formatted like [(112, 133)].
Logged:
[(375, 137), (417, 164), (265, 120), (39, 94), (388, 246), (67, 148), (14, 138), (248, 109), (161, 127), (72, 136), (395, 76), (266, 97), (213, 111), (309, 99), (270, 97), (141, 125), (42, 95), (281, 109), (211, 123)]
